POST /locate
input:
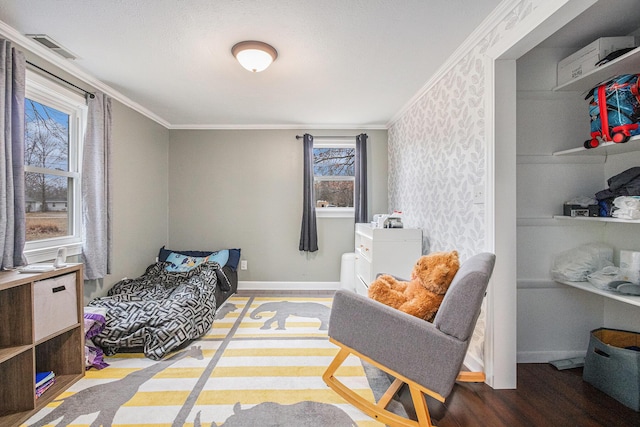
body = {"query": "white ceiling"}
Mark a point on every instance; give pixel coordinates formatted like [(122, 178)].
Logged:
[(341, 63)]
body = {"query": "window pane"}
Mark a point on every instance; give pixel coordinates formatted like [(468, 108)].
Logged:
[(46, 137), (334, 161), (335, 193), (47, 206)]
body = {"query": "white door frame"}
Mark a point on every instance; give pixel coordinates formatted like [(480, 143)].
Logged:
[(545, 18)]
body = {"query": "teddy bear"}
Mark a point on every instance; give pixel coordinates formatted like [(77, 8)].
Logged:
[(423, 294)]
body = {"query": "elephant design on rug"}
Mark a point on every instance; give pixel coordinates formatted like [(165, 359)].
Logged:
[(284, 309), (225, 309), (107, 398), (301, 414)]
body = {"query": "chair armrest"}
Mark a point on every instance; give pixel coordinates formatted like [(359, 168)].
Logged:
[(432, 358)]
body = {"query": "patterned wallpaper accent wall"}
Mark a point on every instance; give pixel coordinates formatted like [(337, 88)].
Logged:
[(437, 157), (437, 151)]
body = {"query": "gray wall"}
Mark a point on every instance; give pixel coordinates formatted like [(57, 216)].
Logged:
[(140, 194), (140, 199), (243, 189)]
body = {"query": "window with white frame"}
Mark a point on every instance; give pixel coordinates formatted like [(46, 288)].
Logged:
[(334, 177), (54, 126)]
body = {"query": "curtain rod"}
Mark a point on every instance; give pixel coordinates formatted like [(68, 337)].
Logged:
[(328, 137), (89, 94)]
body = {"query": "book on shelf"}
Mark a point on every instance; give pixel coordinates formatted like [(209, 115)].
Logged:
[(44, 387), (44, 380), (43, 377)]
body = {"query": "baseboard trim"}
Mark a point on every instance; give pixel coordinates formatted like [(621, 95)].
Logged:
[(281, 286), (547, 356), (473, 363)]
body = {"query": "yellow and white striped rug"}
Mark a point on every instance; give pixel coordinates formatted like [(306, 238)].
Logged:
[(260, 364)]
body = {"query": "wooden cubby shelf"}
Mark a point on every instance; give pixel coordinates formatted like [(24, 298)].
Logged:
[(42, 330)]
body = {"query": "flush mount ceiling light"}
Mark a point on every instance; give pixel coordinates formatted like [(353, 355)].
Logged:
[(253, 55)]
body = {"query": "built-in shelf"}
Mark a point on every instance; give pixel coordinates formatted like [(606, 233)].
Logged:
[(629, 63), (604, 149), (598, 219), (586, 286)]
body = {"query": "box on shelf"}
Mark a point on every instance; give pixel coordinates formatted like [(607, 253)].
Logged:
[(584, 60), (579, 210), (54, 305), (612, 365)]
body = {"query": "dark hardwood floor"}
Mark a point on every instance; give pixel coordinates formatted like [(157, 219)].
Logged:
[(544, 396)]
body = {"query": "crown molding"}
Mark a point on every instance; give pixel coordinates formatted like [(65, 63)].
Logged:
[(277, 127), (64, 64), (490, 22)]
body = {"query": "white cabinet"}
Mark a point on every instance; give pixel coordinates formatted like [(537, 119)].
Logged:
[(385, 250)]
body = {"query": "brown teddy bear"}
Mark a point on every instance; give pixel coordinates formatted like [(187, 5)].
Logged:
[(422, 296)]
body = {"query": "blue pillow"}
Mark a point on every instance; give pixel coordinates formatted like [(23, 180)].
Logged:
[(233, 257), (221, 257), (180, 263)]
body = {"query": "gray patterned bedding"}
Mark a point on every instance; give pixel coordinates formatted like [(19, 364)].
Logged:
[(161, 310)]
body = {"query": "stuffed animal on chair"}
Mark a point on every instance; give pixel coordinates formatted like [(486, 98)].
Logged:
[(423, 294)]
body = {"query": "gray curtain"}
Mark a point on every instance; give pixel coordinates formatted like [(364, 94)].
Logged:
[(309, 232), (362, 214), (96, 189), (12, 203)]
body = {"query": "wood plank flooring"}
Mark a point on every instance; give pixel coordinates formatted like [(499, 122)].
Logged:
[(544, 397)]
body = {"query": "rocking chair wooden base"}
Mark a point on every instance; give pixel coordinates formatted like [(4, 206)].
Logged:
[(379, 411)]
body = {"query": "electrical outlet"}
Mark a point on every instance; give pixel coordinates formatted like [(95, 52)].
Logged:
[(243, 264), (478, 194)]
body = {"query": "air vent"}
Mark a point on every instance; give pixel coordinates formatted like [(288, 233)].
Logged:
[(51, 44)]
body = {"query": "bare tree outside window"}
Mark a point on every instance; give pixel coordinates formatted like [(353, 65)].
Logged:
[(334, 176), (46, 151)]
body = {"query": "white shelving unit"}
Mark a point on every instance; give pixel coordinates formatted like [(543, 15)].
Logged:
[(597, 219), (586, 286), (604, 149), (626, 64)]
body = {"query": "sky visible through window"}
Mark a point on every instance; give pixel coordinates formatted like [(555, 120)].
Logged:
[(334, 161), (46, 137), (46, 194)]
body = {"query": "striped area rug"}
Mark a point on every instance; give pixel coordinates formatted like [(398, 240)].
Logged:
[(260, 364)]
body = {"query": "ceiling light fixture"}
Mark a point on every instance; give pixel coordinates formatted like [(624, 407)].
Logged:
[(253, 55)]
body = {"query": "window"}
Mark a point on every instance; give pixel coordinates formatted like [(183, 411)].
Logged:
[(334, 178), (54, 125)]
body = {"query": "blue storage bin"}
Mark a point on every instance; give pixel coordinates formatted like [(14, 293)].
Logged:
[(612, 365)]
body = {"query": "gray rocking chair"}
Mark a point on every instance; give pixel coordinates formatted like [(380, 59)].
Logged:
[(426, 356)]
